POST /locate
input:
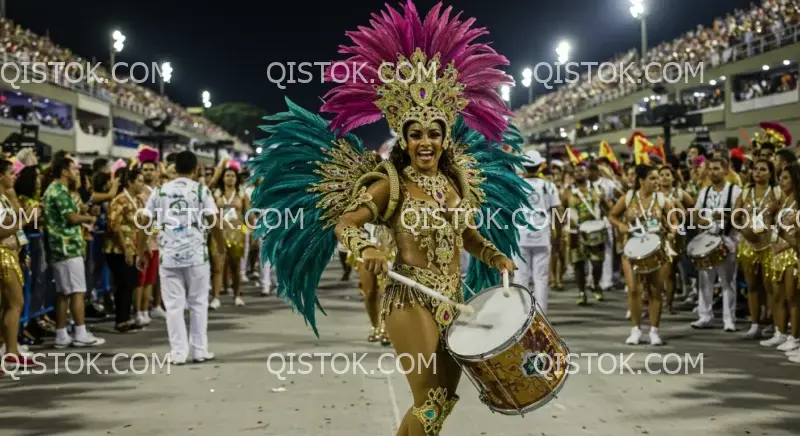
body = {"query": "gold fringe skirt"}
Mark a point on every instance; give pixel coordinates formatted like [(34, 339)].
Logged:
[(9, 264), (749, 258), (234, 243), (398, 295), (781, 262)]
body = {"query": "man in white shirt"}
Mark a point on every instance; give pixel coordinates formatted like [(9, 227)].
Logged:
[(717, 202), (182, 210), (611, 191), (535, 244)]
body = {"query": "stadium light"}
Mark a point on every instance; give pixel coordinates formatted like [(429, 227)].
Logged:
[(640, 13), (166, 75), (505, 93), (206, 99), (786, 62), (765, 67), (562, 50), (527, 81), (117, 44)]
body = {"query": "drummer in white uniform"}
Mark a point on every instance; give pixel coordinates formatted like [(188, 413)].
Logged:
[(535, 244), (716, 202)]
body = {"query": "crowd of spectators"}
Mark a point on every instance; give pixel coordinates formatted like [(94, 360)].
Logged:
[(23, 45), (765, 84), (699, 100), (727, 39)]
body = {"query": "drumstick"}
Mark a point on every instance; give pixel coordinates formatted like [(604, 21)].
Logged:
[(428, 291), (506, 290)]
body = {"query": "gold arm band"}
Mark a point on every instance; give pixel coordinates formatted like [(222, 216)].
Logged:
[(354, 242), (488, 252), (363, 198)]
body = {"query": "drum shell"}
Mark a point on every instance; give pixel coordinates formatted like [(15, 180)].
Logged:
[(649, 262), (498, 375), (711, 259)]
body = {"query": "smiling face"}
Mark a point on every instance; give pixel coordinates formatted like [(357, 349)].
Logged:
[(425, 146)]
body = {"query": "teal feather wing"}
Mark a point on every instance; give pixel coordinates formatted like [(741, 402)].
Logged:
[(307, 176), (492, 173)]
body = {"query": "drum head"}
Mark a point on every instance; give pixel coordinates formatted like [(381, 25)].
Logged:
[(497, 319), (641, 245), (592, 226), (703, 244)]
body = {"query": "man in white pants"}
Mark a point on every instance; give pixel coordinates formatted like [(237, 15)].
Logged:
[(181, 210), (610, 190), (533, 262), (717, 202)]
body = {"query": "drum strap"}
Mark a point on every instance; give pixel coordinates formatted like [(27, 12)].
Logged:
[(592, 209)]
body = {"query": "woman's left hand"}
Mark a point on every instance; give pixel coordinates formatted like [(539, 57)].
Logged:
[(501, 262)]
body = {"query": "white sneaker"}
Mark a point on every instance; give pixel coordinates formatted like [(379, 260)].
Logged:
[(245, 279), (146, 317), (255, 275), (795, 359), (140, 320), (203, 358), (729, 327), (214, 304), (754, 332), (768, 331), (89, 340), (776, 340), (635, 337), (238, 302), (791, 344), (655, 339), (63, 343), (795, 352), (702, 323), (158, 313)]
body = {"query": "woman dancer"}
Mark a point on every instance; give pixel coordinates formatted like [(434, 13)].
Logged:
[(438, 164), (757, 201), (784, 265), (120, 246), (680, 199), (11, 279), (233, 203), (646, 207)]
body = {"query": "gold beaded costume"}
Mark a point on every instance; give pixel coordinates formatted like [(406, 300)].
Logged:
[(752, 255)]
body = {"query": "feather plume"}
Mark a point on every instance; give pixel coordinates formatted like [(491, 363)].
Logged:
[(399, 33)]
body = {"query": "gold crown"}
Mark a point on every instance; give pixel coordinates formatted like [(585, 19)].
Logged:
[(415, 91), (770, 136)]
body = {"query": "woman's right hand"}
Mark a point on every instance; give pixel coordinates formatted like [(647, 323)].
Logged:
[(374, 261)]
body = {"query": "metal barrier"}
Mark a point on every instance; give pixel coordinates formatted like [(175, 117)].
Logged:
[(39, 291)]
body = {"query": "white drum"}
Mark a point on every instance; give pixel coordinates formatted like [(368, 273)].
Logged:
[(646, 253), (707, 250), (594, 232), (509, 351)]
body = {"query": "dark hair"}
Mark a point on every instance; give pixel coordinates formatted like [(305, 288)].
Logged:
[(400, 158), (59, 166), (148, 162), (675, 179), (99, 164), (771, 167), (170, 158), (720, 160), (221, 181), (26, 182), (185, 162), (5, 164), (642, 171), (787, 155), (99, 181), (593, 167), (701, 151), (127, 176), (794, 172)]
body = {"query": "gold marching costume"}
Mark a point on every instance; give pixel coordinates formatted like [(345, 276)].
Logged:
[(9, 250), (757, 255)]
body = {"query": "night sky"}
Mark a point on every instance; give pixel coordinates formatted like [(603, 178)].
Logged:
[(226, 46)]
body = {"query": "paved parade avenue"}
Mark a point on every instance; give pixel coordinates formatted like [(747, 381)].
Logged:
[(734, 388)]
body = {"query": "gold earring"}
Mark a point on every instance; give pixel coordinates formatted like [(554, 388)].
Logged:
[(402, 143)]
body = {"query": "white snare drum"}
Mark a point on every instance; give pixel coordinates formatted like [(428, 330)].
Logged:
[(646, 253), (594, 232), (707, 250), (509, 351)]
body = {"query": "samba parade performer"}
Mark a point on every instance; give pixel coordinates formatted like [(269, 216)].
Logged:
[(231, 200), (714, 250), (449, 158), (535, 244), (680, 199), (646, 261), (785, 267), (588, 231), (757, 201)]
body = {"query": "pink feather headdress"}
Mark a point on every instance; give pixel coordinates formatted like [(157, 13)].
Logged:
[(395, 57), (147, 154), (232, 164)]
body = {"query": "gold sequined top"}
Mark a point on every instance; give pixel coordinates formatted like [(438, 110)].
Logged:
[(10, 242), (425, 230), (754, 203), (647, 209), (787, 217)]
